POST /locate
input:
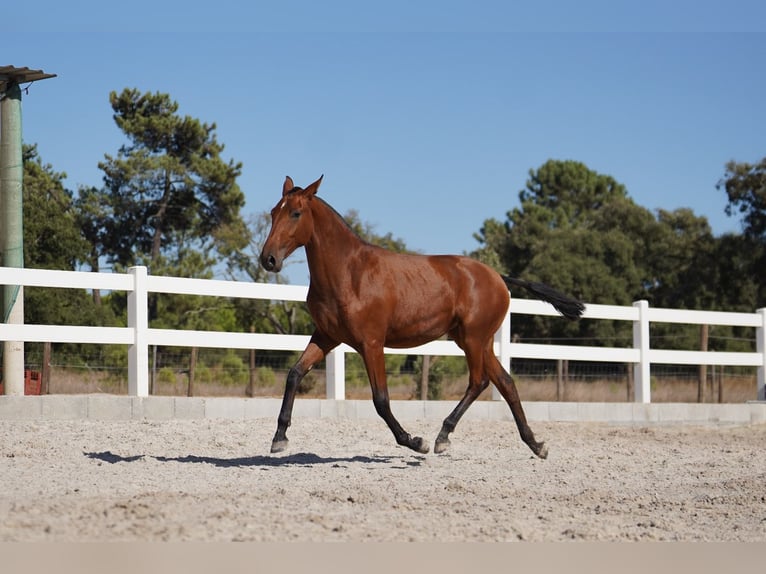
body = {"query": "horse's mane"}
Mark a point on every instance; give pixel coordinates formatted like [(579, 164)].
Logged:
[(343, 219), (296, 189)]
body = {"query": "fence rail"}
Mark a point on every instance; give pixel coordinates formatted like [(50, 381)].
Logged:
[(138, 336)]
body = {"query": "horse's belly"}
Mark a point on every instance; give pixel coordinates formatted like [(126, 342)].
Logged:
[(414, 331)]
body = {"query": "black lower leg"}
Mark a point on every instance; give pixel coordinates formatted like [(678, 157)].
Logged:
[(442, 440), (507, 388), (528, 437), (279, 443), (403, 438)]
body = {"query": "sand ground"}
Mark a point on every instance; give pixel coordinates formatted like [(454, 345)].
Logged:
[(344, 480)]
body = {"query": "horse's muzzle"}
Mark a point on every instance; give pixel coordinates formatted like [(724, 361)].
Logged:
[(270, 262)]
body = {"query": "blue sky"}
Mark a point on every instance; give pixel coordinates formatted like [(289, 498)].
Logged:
[(425, 117)]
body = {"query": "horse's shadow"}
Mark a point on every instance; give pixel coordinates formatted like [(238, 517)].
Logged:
[(297, 459)]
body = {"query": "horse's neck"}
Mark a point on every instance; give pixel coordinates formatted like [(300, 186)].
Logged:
[(332, 247)]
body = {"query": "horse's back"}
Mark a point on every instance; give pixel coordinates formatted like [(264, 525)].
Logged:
[(470, 277), (436, 293)]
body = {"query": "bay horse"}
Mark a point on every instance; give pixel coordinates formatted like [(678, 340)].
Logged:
[(369, 297)]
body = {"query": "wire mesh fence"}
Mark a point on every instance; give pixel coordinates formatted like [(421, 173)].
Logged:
[(232, 372)]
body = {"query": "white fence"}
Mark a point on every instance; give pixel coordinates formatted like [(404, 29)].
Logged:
[(139, 336)]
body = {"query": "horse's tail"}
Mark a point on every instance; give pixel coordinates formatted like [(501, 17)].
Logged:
[(569, 307)]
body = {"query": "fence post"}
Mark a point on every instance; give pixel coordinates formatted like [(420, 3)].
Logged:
[(760, 346), (642, 369), (503, 340), (335, 374), (138, 320)]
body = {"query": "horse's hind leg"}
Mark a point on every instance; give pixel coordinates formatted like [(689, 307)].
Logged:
[(376, 371), (477, 382), (471, 394), (504, 383)]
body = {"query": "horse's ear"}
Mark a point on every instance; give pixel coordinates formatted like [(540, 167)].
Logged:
[(288, 186), (314, 187)]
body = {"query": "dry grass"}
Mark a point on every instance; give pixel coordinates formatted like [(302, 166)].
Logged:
[(735, 389)]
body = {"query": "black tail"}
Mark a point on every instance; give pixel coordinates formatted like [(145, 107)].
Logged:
[(569, 307)]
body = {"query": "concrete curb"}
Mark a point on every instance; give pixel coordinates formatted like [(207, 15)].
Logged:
[(103, 407)]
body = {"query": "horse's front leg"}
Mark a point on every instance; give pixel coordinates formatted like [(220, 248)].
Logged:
[(316, 350), (374, 361)]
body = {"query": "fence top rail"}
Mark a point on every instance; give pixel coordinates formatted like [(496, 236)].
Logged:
[(689, 316), (65, 279), (616, 312), (221, 288), (271, 291)]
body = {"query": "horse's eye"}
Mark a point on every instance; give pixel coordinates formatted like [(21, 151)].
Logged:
[(295, 214)]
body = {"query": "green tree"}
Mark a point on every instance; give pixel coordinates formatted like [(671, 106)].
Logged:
[(580, 232), (745, 186), (168, 187), (94, 218), (733, 276), (567, 233), (733, 273), (366, 231), (679, 257), (170, 202), (52, 241), (560, 195), (195, 312), (569, 192)]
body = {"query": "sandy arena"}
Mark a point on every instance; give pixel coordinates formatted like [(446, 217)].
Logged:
[(346, 480)]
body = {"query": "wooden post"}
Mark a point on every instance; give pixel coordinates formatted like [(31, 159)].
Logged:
[(720, 384), (424, 377), (760, 347), (559, 380), (153, 373), (192, 368), (45, 382), (702, 384), (250, 389)]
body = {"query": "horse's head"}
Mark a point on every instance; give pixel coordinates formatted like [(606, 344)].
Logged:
[(292, 224)]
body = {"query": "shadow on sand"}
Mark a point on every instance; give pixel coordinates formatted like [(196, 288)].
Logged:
[(297, 459)]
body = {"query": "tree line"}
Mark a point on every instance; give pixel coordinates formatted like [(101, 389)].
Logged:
[(581, 232), (171, 202)]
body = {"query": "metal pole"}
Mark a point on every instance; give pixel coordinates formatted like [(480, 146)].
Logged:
[(11, 232)]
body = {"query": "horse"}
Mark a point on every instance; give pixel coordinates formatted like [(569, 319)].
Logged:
[(369, 298)]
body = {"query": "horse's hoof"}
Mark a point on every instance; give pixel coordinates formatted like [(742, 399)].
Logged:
[(419, 445), (441, 445), (278, 446), (542, 450)]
